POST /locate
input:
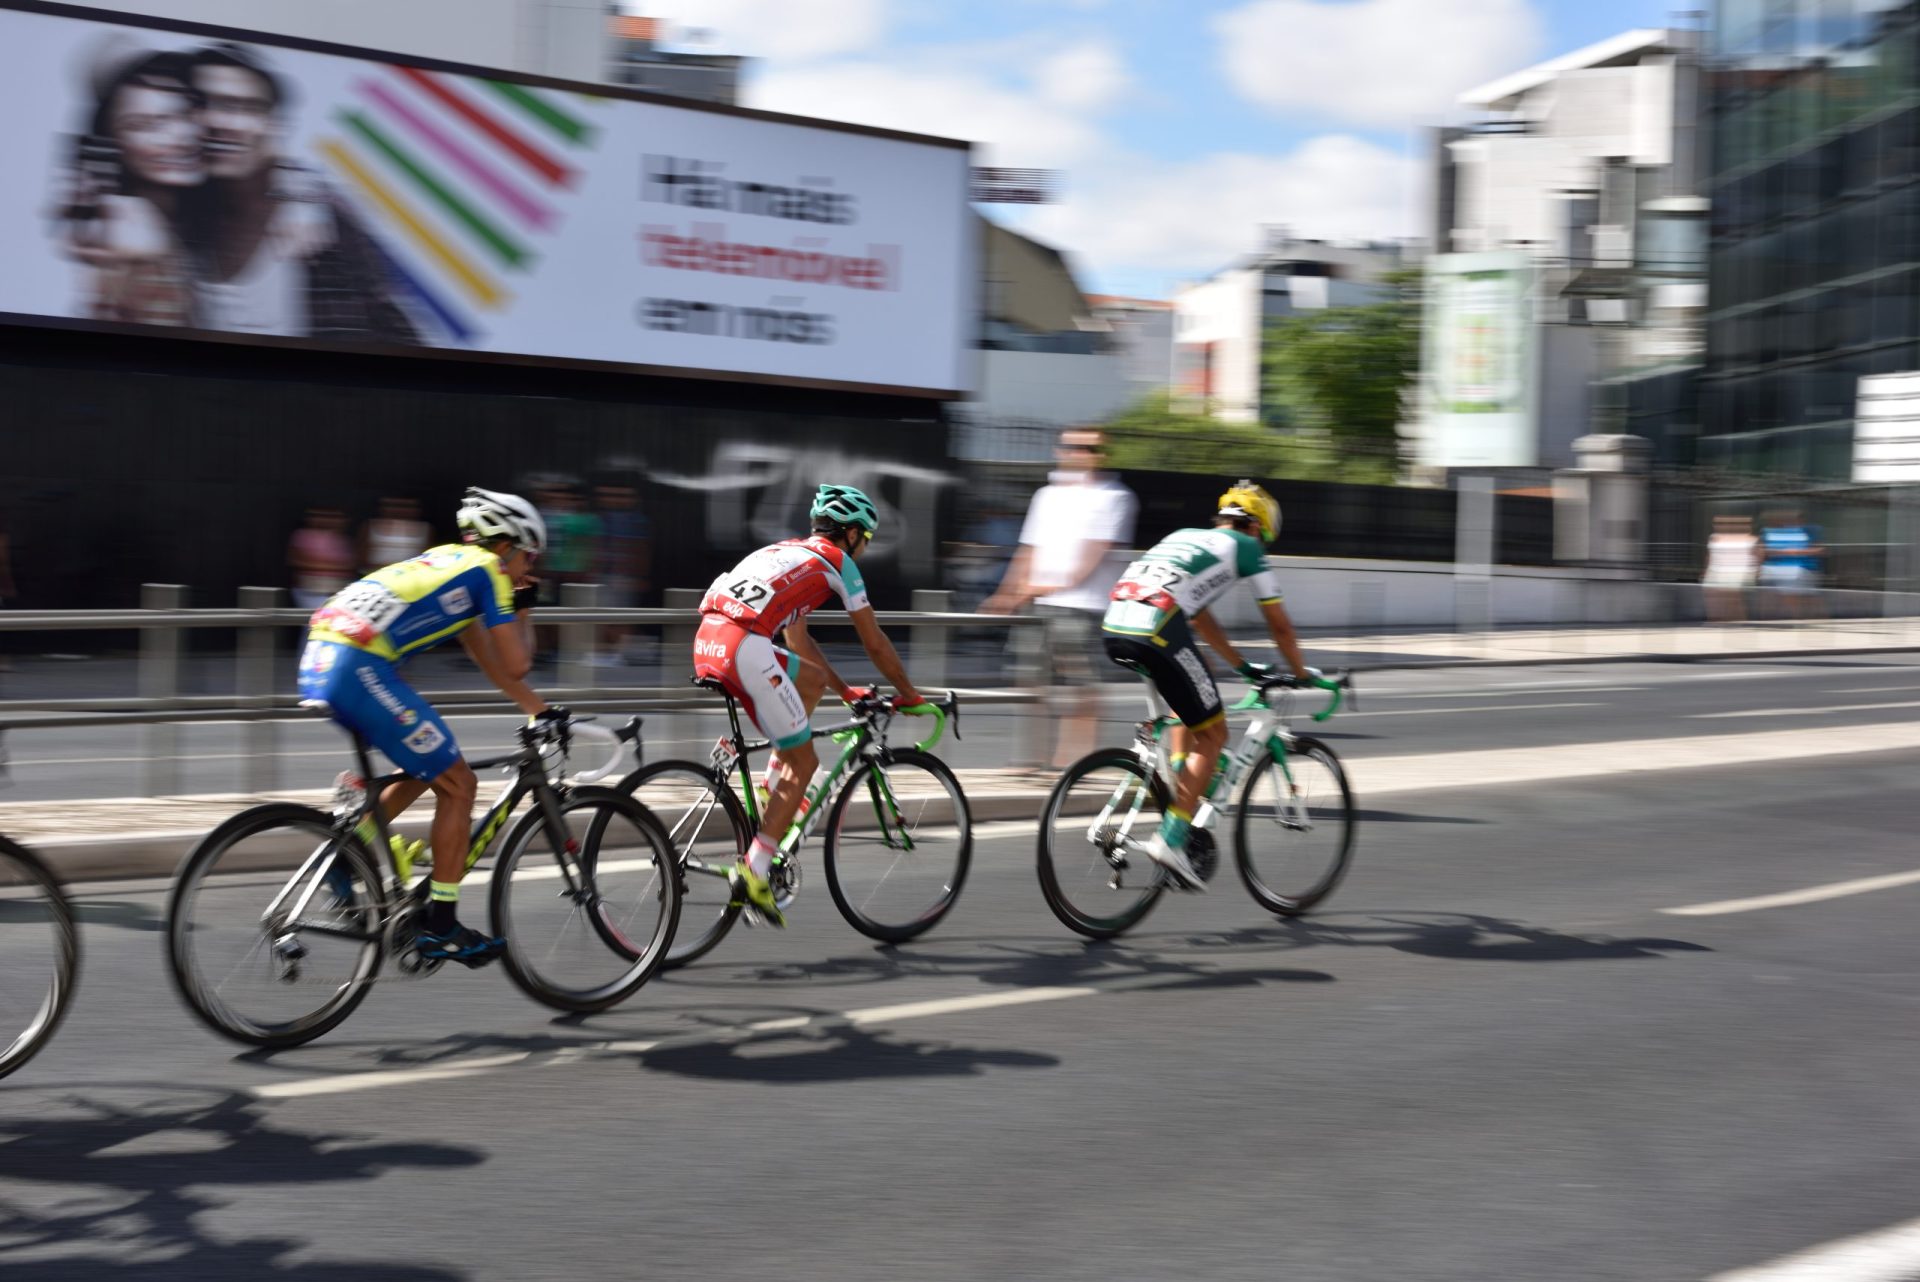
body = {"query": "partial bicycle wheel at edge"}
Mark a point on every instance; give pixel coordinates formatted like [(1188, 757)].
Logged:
[(1293, 834), (242, 960), (1094, 872), (899, 842), (709, 830), (588, 918), (39, 955)]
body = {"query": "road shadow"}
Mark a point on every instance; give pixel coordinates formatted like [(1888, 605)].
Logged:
[(1404, 817), (120, 915), (1451, 936), (113, 1183), (831, 1052)]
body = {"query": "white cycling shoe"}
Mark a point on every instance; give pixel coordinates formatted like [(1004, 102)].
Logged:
[(1175, 863)]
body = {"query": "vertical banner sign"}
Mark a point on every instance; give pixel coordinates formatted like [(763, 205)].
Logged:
[(1479, 384), (239, 186)]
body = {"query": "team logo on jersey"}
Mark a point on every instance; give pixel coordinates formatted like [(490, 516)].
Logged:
[(458, 601), (425, 739)]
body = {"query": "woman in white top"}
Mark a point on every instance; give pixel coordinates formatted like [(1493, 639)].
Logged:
[(1733, 556)]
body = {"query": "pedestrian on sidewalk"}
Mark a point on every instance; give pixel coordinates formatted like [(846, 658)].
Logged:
[(1733, 559), (394, 534), (319, 557), (1073, 545), (1793, 559)]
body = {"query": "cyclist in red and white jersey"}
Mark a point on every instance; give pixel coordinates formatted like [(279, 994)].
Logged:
[(770, 592)]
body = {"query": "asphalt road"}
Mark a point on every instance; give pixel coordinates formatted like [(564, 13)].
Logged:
[(1494, 1056)]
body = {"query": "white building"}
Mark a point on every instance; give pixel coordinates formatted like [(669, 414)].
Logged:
[(569, 39), (1142, 333), (1221, 321), (1587, 164)]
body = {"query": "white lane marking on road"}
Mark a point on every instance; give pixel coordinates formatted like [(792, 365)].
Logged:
[(1806, 895), (1873, 689), (1891, 1254), (1493, 691), (1487, 707), (1801, 712), (345, 1082), (385, 1077)]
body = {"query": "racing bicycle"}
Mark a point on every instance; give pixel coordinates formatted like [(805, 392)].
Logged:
[(1293, 824), (279, 919), (39, 955), (899, 834)]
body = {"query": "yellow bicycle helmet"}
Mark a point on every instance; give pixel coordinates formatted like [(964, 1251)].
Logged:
[(1248, 500)]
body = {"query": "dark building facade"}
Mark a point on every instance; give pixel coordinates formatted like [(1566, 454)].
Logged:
[(1814, 257)]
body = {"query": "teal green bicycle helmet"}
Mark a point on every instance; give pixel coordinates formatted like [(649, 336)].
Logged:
[(844, 505)]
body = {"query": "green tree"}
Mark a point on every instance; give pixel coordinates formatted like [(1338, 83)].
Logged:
[(1158, 434), (1345, 372)]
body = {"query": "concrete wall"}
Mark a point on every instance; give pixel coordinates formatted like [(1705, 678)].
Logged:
[(566, 38), (1048, 387)]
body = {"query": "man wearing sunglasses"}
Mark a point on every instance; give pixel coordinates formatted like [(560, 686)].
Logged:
[(774, 590), (357, 643)]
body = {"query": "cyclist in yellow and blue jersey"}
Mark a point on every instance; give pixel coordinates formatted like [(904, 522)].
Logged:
[(357, 642)]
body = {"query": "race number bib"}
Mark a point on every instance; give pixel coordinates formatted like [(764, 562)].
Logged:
[(360, 612), (750, 592), (1134, 616)]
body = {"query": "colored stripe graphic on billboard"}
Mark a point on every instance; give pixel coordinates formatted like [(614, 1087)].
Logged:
[(465, 184)]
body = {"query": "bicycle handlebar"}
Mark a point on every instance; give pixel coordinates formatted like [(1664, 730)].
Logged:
[(601, 734), (940, 710), (1257, 697)]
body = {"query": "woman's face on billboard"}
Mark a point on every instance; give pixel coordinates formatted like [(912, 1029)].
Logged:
[(159, 135)]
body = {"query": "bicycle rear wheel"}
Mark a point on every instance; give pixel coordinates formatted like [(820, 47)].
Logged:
[(39, 955), (709, 830), (1293, 835), (274, 926), (1094, 869), (588, 918), (898, 845)]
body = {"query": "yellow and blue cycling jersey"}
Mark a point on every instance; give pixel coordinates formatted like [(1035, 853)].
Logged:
[(413, 604)]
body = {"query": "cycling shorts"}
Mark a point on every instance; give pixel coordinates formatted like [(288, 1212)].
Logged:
[(365, 694), (764, 677), (1169, 660)]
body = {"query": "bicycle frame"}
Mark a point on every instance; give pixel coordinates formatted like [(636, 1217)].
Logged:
[(1269, 728)]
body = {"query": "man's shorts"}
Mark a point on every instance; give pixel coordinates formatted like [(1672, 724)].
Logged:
[(1073, 645), (1169, 660), (365, 694), (765, 678), (1790, 580)]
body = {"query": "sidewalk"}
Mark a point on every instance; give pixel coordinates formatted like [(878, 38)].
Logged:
[(1627, 643)]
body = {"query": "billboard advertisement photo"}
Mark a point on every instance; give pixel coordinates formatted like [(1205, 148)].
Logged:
[(210, 184), (1479, 384)]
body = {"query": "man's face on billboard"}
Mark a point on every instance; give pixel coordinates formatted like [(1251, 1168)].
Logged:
[(238, 126)]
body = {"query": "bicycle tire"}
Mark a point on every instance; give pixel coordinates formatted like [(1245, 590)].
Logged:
[(1316, 891), (35, 880), (1091, 925), (867, 780), (689, 945), (368, 904), (638, 954)]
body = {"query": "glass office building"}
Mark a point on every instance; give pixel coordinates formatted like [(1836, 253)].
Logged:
[(1814, 256)]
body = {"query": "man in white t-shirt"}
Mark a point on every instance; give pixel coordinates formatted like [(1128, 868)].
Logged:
[(1073, 545)]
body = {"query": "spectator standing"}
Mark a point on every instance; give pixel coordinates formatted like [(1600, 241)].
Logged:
[(1073, 545), (623, 563), (396, 533), (320, 557), (1733, 557), (1793, 556)]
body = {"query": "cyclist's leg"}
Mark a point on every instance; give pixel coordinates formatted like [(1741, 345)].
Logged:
[(779, 700), (1180, 677)]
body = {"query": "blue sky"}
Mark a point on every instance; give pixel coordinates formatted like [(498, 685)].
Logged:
[(1179, 126)]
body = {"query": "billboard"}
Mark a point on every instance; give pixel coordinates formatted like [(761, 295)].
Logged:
[(175, 178), (1479, 381)]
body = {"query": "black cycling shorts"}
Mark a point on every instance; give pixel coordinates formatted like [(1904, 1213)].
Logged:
[(1169, 660)]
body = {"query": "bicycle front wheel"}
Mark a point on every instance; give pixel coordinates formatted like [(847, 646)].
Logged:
[(1293, 837), (39, 955), (1094, 869), (899, 841), (274, 926), (588, 912), (709, 830)]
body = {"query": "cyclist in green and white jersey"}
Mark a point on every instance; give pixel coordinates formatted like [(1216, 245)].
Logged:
[(1157, 607)]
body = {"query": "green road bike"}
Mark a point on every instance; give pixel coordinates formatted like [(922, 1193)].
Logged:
[(279, 918), (1293, 823), (898, 841), (39, 955)]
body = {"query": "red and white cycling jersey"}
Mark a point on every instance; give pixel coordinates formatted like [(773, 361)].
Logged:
[(784, 582)]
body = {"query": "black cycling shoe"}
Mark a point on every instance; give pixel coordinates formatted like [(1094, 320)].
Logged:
[(459, 943)]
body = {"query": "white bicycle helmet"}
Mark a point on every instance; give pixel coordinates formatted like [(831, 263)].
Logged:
[(486, 515)]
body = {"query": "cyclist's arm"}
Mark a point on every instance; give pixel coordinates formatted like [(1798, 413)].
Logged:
[(801, 642), (1215, 636), (881, 651), (502, 654), (1281, 626)]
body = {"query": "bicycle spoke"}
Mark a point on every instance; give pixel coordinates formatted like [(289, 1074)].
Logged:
[(896, 859)]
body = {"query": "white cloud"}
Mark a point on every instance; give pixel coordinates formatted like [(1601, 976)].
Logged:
[(1086, 76), (1190, 217), (779, 28), (1373, 62)]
